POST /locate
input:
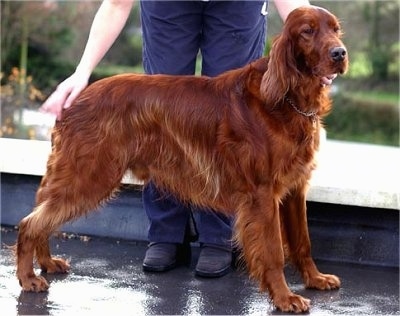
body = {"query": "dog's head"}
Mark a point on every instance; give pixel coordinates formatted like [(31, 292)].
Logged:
[(308, 49), (314, 36)]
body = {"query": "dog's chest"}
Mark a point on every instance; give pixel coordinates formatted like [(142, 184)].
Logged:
[(296, 162)]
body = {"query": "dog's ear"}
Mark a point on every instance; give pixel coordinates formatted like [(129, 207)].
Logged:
[(282, 73)]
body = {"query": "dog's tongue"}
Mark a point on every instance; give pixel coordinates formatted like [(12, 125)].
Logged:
[(327, 80)]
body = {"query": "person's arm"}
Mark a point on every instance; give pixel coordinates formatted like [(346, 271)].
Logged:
[(106, 26), (284, 7)]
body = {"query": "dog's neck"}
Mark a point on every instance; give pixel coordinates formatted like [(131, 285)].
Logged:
[(311, 114), (306, 98)]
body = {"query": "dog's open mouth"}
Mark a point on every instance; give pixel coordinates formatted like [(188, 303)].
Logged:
[(327, 80)]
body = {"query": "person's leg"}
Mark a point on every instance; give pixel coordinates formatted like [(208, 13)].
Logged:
[(167, 230), (170, 46), (215, 237), (168, 218), (214, 228), (171, 36), (233, 35)]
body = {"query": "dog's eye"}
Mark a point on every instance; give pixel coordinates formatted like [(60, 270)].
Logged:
[(308, 31), (338, 31)]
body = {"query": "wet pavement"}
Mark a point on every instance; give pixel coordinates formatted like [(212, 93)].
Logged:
[(106, 278)]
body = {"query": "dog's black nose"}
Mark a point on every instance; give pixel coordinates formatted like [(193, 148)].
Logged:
[(338, 53)]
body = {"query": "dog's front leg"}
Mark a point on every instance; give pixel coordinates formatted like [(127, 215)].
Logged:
[(294, 217), (258, 233)]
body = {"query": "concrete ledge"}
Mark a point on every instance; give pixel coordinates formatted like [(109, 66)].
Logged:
[(29, 157), (348, 173), (357, 174)]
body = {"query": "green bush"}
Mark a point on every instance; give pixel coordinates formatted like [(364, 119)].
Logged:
[(363, 120)]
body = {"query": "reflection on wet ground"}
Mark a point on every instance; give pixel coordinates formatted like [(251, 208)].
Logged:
[(107, 278)]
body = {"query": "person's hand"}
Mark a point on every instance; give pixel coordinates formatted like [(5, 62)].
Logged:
[(65, 94)]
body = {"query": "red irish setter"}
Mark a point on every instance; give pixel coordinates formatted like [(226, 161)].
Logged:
[(242, 143)]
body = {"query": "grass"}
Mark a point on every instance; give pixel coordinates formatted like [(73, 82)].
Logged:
[(377, 97)]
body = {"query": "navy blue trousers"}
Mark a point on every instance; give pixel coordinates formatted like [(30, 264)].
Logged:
[(229, 35)]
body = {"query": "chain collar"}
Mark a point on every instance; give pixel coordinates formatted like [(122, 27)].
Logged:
[(311, 114)]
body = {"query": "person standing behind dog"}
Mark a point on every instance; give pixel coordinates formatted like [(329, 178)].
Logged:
[(229, 34)]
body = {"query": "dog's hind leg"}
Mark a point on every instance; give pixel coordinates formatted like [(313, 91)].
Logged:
[(294, 220), (69, 191), (34, 231), (42, 247)]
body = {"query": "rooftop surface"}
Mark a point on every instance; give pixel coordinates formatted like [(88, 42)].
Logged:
[(106, 278)]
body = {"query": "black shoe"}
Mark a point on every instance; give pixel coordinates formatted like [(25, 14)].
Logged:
[(161, 257), (214, 261)]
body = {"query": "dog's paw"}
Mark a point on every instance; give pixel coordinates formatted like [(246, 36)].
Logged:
[(323, 282), (34, 284), (55, 265), (292, 303)]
